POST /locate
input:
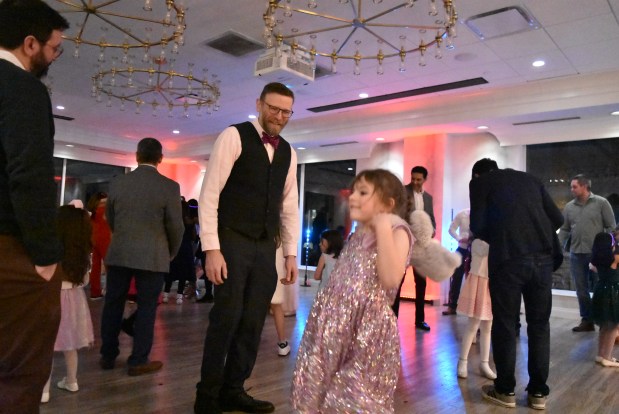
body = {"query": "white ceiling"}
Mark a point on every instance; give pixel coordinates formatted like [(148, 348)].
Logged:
[(579, 40)]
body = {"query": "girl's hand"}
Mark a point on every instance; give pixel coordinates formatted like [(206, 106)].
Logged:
[(381, 221)]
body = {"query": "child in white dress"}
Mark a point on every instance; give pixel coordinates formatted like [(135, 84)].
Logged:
[(475, 303), (331, 244), (75, 331)]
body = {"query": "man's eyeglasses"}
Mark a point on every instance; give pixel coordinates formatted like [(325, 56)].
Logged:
[(274, 110), (58, 50)]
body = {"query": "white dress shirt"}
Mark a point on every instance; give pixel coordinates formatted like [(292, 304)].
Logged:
[(226, 151)]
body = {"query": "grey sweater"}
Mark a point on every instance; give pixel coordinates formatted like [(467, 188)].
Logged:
[(583, 221)]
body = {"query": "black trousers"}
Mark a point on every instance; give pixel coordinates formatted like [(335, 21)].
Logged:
[(420, 298), (455, 283), (528, 277), (237, 317)]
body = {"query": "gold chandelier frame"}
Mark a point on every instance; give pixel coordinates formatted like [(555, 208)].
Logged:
[(280, 12), (157, 87), (107, 13)]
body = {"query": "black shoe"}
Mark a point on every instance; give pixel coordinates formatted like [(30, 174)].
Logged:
[(422, 326), (244, 403), (106, 363), (450, 311), (206, 405), (206, 299), (585, 326)]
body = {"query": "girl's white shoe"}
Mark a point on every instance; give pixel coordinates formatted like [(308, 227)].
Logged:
[(486, 371), (609, 363), (462, 368), (64, 385)]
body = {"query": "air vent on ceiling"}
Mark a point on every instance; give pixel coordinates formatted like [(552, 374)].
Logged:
[(64, 118), (571, 118), (502, 22), (234, 44), (399, 95), (337, 144)]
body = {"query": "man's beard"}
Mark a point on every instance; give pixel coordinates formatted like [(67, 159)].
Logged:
[(39, 65)]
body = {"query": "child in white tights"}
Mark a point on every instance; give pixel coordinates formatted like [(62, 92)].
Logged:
[(75, 331), (475, 303)]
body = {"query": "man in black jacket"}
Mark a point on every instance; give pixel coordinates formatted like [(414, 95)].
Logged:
[(30, 40), (513, 213)]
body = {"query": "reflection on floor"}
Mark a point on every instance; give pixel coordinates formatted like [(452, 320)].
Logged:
[(428, 382)]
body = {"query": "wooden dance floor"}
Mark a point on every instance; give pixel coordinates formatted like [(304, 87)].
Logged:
[(428, 382)]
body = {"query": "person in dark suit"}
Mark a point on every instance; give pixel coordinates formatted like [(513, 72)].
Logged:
[(249, 194), (419, 200), (30, 40), (144, 214), (513, 213)]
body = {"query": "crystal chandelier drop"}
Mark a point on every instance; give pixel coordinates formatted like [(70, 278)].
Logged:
[(155, 87), (360, 30), (152, 26)]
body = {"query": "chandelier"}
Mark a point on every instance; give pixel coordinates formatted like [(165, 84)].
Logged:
[(158, 86), (125, 25), (358, 30)]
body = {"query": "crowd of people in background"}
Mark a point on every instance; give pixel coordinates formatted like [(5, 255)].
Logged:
[(143, 233)]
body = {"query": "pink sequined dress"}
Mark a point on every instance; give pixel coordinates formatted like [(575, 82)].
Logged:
[(349, 358)]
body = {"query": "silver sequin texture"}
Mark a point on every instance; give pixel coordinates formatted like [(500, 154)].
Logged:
[(349, 357)]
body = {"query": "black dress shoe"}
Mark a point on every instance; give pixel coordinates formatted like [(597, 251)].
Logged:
[(107, 363), (244, 403), (206, 299), (206, 405), (147, 368), (422, 326), (585, 326)]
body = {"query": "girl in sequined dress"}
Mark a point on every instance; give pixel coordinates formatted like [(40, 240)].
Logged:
[(605, 301), (349, 357)]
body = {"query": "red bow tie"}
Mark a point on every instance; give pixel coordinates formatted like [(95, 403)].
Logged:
[(267, 139)]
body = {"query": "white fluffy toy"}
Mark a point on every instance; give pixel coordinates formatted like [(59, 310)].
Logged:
[(429, 257)]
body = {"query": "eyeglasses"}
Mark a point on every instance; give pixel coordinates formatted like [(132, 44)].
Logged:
[(274, 110), (58, 50)]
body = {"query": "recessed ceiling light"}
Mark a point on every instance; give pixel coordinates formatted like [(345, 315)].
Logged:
[(538, 63), (60, 107), (252, 117), (615, 113), (363, 95), (350, 168), (193, 161), (300, 148), (482, 127), (70, 145), (176, 131), (380, 139)]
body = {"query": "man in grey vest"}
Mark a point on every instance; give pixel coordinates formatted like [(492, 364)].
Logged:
[(144, 213), (249, 199)]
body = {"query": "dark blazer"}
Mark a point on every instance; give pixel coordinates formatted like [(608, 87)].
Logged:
[(428, 205), (28, 198), (514, 214), (144, 213)]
